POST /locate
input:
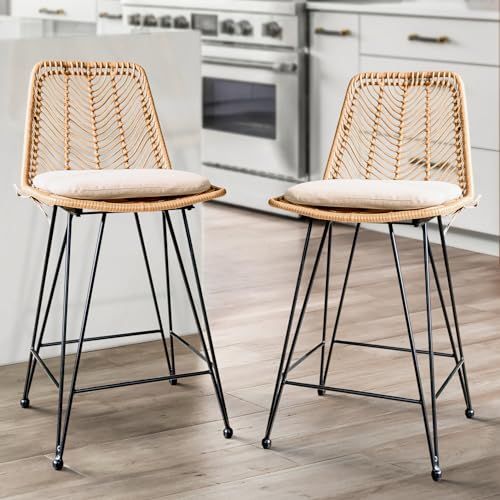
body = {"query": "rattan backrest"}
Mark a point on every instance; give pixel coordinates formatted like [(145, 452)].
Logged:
[(91, 115), (403, 126)]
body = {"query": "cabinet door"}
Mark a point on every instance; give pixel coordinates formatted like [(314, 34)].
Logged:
[(481, 89), (485, 217), (481, 85), (57, 10), (334, 60), (110, 18)]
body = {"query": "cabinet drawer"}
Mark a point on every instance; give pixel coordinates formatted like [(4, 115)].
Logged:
[(481, 89), (59, 10), (426, 38)]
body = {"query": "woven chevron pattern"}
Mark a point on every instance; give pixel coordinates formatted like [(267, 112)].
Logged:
[(93, 116), (401, 126)]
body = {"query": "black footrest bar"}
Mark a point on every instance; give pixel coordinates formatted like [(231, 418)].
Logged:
[(46, 369), (449, 377), (352, 391), (304, 357), (140, 381), (189, 346), (391, 348), (102, 337)]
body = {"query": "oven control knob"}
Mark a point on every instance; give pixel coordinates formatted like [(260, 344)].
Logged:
[(150, 20), (273, 29), (134, 19), (181, 22), (228, 27), (246, 29), (166, 21)]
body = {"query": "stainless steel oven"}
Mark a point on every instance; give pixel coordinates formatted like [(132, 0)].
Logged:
[(252, 116), (254, 135)]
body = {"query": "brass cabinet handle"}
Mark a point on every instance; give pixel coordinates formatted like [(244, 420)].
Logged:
[(52, 12), (414, 37), (107, 15), (323, 31)]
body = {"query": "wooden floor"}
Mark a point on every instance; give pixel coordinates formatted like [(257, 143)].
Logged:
[(162, 441)]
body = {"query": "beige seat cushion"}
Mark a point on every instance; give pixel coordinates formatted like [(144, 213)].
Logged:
[(121, 183), (373, 194)]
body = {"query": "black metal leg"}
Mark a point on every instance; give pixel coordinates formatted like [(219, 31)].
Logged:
[(58, 460), (266, 440), (341, 302), (469, 411), (228, 432), (47, 311), (456, 356), (321, 392), (153, 291), (169, 299), (436, 471), (285, 366), (25, 402), (208, 350)]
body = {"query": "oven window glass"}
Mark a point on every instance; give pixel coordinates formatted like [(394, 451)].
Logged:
[(245, 108)]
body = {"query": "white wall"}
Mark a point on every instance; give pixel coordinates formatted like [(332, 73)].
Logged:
[(122, 299)]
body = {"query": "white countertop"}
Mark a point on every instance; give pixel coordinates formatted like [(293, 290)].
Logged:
[(443, 8)]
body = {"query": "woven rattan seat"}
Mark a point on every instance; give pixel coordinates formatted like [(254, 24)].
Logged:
[(86, 115), (399, 126)]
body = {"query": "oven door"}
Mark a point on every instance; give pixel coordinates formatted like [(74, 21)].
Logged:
[(251, 115)]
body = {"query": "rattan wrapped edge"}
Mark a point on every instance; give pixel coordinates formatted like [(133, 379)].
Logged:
[(354, 216), (130, 205)]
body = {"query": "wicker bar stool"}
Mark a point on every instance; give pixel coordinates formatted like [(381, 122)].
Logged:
[(400, 155), (94, 146)]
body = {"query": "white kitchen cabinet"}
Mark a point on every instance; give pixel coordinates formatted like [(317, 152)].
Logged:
[(334, 59), (485, 217), (55, 10), (110, 18), (429, 38)]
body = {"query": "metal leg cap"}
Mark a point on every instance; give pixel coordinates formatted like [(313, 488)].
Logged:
[(25, 403), (437, 474), (469, 413), (266, 443), (228, 433), (321, 392), (58, 463), (173, 381)]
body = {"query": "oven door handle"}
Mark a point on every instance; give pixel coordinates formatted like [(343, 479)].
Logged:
[(281, 67)]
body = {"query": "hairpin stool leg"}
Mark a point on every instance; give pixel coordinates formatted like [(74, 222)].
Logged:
[(25, 402), (285, 365)]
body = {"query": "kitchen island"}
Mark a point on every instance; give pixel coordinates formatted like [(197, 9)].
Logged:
[(122, 299)]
